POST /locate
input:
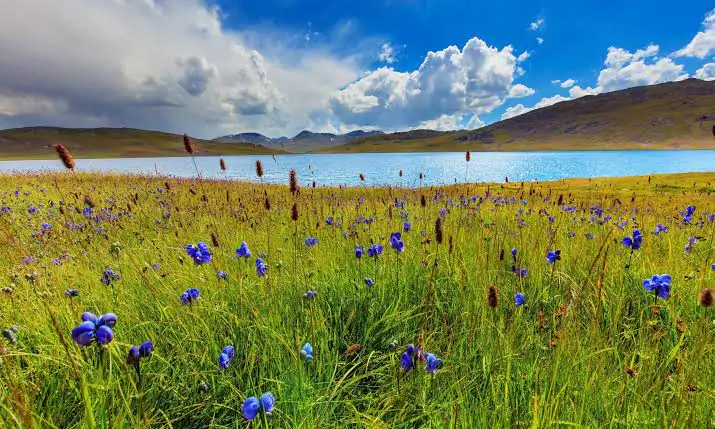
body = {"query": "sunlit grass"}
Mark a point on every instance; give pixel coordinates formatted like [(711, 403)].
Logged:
[(591, 347)]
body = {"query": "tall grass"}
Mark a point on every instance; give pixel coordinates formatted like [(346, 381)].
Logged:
[(590, 348)]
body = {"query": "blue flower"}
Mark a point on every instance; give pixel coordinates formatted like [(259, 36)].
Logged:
[(519, 299), (359, 251), (226, 356), (310, 294), (71, 293), (329, 221), (513, 252), (243, 251), (396, 241), (553, 256), (109, 276), (87, 212), (192, 294), (443, 212), (146, 349), (433, 363), (635, 242), (406, 361), (311, 241), (660, 228), (369, 282), (94, 328), (407, 226), (221, 274), (689, 246), (133, 356), (307, 352), (374, 250), (252, 406), (659, 284), (261, 267), (199, 253)]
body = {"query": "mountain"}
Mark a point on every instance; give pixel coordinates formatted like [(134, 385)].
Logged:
[(673, 115), (302, 142), (38, 142)]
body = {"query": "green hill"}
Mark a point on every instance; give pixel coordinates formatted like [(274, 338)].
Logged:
[(38, 142), (674, 115)]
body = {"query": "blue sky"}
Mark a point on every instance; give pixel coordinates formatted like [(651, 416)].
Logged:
[(280, 66)]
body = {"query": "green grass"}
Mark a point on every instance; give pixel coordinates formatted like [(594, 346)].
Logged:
[(591, 349)]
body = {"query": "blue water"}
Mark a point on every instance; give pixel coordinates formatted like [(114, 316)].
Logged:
[(382, 169)]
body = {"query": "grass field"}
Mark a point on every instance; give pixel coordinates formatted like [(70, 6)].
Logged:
[(590, 347)]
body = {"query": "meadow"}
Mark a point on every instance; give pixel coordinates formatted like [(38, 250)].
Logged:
[(468, 318)]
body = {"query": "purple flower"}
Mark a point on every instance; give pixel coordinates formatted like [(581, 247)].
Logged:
[(359, 251), (192, 294), (443, 212), (519, 299), (553, 256), (635, 242), (311, 241), (369, 282), (109, 276), (199, 253), (407, 226), (433, 363), (310, 294), (71, 293), (94, 328), (374, 250), (396, 241), (691, 242), (252, 406), (221, 274), (406, 361)]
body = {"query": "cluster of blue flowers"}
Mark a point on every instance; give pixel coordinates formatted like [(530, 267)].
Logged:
[(374, 250), (413, 355), (252, 406), (243, 251), (109, 276), (659, 285), (191, 295), (200, 253), (307, 352), (311, 241), (261, 268), (634, 243), (137, 353), (94, 328), (553, 255), (396, 241)]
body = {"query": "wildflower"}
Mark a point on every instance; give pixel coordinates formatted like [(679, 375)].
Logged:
[(589, 236), (513, 252), (310, 294), (94, 328), (396, 241), (109, 276), (433, 363), (310, 241), (28, 259), (519, 299), (660, 229), (307, 352), (155, 266), (88, 212), (392, 346), (635, 242), (199, 253), (252, 406), (192, 294), (71, 293), (261, 267), (369, 282), (406, 361), (688, 214), (691, 242), (374, 250), (407, 226), (329, 221), (221, 274), (10, 334), (443, 212), (359, 251), (553, 256), (243, 251), (659, 284), (136, 353), (411, 356), (226, 356)]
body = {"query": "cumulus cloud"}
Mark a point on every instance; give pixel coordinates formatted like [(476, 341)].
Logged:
[(704, 41), (473, 80), (167, 65), (536, 24), (519, 90), (706, 72), (387, 54), (539, 40), (623, 69)]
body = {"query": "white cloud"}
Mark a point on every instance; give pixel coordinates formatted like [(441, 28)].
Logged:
[(523, 57), (167, 65), (387, 54), (704, 42), (539, 40), (442, 123), (519, 90), (536, 24), (623, 69), (474, 123), (706, 72), (473, 80)]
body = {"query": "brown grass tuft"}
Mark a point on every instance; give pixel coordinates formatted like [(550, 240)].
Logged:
[(222, 164), (438, 230), (492, 297), (189, 145), (293, 181), (294, 212), (707, 297), (259, 168)]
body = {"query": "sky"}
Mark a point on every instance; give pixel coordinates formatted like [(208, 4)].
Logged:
[(215, 67)]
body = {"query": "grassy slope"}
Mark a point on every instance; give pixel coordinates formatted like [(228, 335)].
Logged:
[(653, 117), (37, 143), (591, 349)]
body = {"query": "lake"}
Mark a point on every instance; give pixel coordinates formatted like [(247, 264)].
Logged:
[(382, 168)]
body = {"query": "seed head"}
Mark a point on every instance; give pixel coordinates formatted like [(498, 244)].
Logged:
[(293, 181), (88, 201), (294, 212), (707, 297), (400, 173), (267, 203), (222, 164), (362, 177), (468, 156), (438, 230), (65, 156), (492, 298), (214, 239), (189, 145), (423, 201), (259, 168)]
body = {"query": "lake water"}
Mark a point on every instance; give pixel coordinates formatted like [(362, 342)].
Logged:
[(382, 168)]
